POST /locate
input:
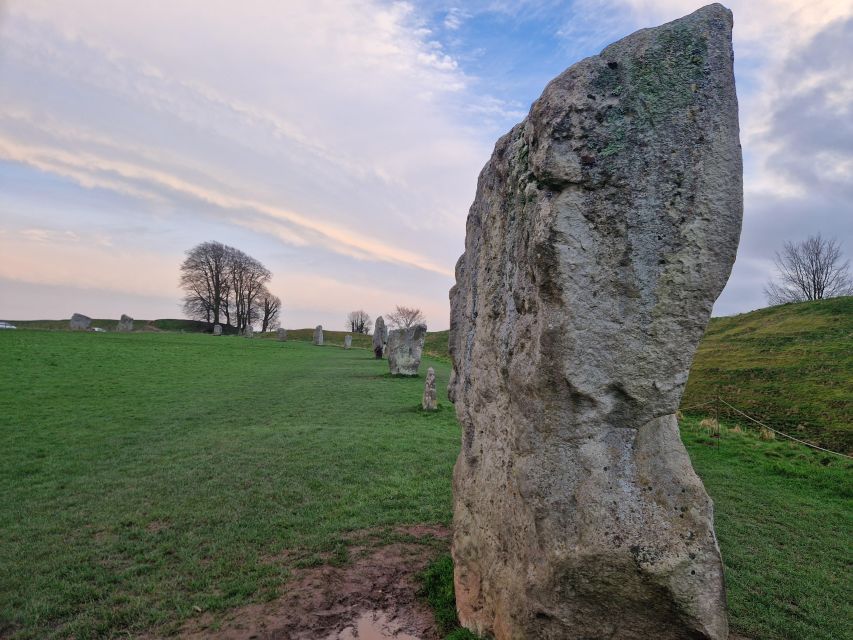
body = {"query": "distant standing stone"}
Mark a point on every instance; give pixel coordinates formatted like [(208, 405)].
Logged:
[(217, 329), (318, 335), (248, 332), (347, 341), (405, 347), (281, 334), (125, 324), (380, 337), (79, 321), (430, 402)]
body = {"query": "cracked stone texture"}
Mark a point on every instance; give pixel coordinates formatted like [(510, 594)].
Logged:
[(318, 335), (604, 227), (405, 347)]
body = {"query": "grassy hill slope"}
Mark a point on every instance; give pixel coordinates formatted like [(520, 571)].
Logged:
[(790, 366)]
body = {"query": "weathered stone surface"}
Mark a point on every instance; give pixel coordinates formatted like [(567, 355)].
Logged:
[(248, 332), (380, 337), (430, 399), (79, 321), (318, 335), (125, 323), (604, 227), (281, 334), (347, 341), (217, 329), (404, 350)]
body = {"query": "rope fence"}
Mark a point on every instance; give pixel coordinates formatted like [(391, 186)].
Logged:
[(717, 401)]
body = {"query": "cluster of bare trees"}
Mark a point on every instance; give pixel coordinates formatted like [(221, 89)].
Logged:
[(223, 285), (813, 269), (401, 318), (359, 322)]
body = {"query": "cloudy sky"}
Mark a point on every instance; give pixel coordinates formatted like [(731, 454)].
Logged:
[(339, 141)]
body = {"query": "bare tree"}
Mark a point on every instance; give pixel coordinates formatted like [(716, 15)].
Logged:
[(813, 269), (270, 306), (405, 317), (359, 322), (204, 278), (248, 278), (221, 281)]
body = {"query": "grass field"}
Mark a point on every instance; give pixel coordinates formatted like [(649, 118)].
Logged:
[(146, 476)]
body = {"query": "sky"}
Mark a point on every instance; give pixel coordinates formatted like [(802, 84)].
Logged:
[(339, 141)]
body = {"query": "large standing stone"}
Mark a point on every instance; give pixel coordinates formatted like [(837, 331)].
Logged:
[(380, 337), (79, 321), (404, 350), (318, 335), (217, 329), (347, 341), (125, 323), (430, 399), (248, 332), (604, 227), (281, 334)]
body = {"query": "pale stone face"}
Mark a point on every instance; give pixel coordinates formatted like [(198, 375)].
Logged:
[(217, 329), (281, 334), (405, 347), (347, 342), (380, 337), (318, 335), (430, 400), (604, 227), (79, 321), (248, 332), (125, 323)]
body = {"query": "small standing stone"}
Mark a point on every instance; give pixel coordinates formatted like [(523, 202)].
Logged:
[(405, 347), (347, 341), (217, 329), (430, 401), (318, 335), (79, 321), (248, 332), (281, 334), (125, 324), (380, 337)]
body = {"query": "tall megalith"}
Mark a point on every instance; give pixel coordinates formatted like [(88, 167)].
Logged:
[(318, 335), (380, 337), (604, 227)]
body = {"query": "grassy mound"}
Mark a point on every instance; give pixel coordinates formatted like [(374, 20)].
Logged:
[(146, 477), (790, 366)]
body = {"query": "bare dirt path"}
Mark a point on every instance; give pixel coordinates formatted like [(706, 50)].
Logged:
[(371, 598)]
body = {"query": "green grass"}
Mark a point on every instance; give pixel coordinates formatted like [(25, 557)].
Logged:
[(145, 475), (790, 366), (142, 475)]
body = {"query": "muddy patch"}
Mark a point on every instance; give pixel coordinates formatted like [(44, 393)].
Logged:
[(373, 597)]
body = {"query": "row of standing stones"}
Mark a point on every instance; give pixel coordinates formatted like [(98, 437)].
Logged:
[(404, 348), (603, 229), (84, 323)]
